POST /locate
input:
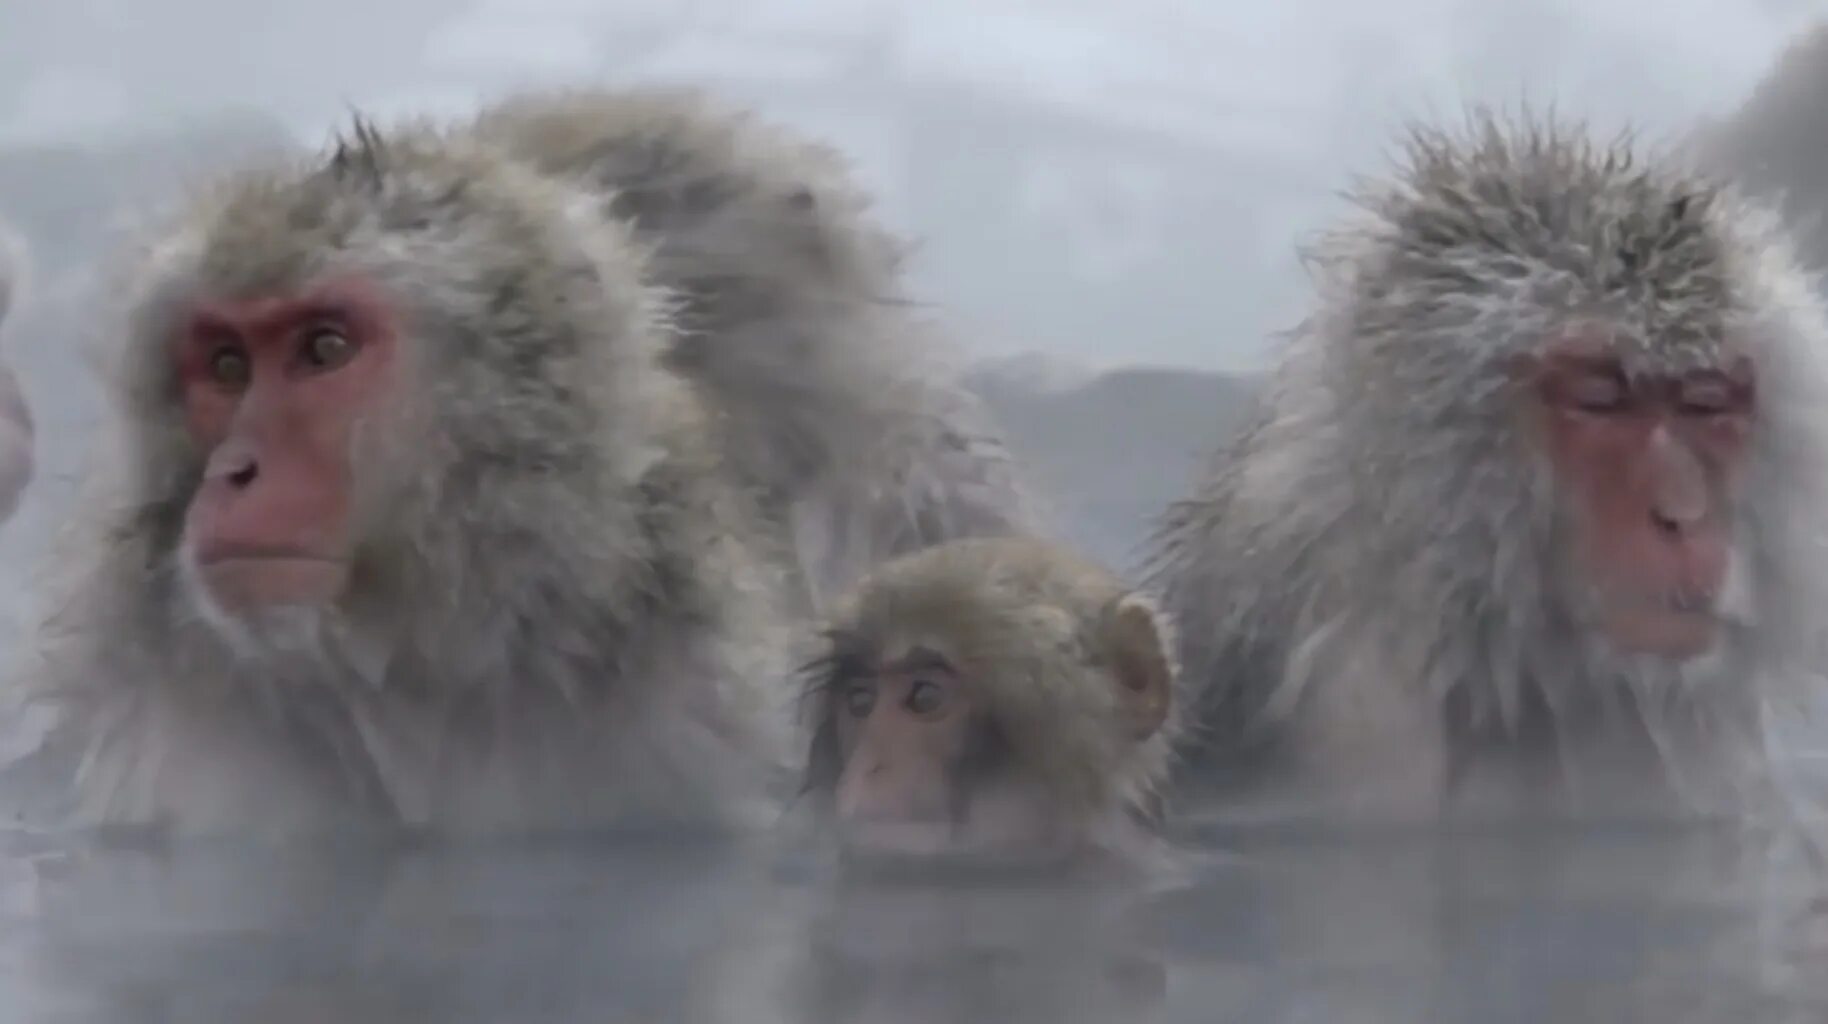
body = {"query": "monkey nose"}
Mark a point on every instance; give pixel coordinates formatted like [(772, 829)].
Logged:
[(1677, 486), (1676, 514), (234, 464), (1670, 524), (854, 790)]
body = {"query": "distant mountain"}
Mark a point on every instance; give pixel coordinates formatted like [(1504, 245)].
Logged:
[(1030, 371), (1113, 450)]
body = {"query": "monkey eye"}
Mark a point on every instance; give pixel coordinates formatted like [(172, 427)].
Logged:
[(1596, 392), (859, 699), (326, 348), (925, 697), (1705, 396), (229, 366)]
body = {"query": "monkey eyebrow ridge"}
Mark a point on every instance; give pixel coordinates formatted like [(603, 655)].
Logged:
[(918, 659)]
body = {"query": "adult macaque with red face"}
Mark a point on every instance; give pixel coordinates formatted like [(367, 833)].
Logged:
[(440, 458), (274, 389), (1649, 458), (992, 696), (1530, 514)]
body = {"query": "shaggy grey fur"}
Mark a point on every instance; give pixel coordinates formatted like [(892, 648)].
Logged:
[(833, 394), (573, 607), (1367, 581)]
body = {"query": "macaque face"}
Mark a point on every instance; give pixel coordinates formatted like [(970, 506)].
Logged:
[(272, 389), (1648, 467), (902, 728), (923, 769)]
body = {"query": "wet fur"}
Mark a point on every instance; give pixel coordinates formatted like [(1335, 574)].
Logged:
[(1366, 581), (573, 606)]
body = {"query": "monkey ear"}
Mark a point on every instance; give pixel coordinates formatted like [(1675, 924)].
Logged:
[(1139, 637)]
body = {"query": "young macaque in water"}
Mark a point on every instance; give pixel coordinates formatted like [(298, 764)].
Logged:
[(992, 697)]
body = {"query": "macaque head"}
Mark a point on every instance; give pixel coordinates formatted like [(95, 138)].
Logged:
[(325, 360), (1646, 463), (988, 703)]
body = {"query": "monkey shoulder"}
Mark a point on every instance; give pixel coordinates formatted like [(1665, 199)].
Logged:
[(741, 212), (665, 156), (710, 528)]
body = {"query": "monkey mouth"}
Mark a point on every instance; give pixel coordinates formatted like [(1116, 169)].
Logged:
[(1679, 598), (229, 551), (1679, 622), (1686, 601), (250, 577), (904, 837)]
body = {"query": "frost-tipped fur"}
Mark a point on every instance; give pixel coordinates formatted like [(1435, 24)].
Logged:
[(832, 394), (1366, 577), (1040, 631), (567, 613)]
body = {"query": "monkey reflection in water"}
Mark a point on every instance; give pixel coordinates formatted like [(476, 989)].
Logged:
[(990, 700)]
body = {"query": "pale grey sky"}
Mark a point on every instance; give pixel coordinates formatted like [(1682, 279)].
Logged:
[(1142, 169)]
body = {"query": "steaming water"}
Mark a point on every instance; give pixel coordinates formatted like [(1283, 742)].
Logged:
[(1287, 924)]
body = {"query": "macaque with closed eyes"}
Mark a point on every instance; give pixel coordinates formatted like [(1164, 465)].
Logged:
[(1530, 517)]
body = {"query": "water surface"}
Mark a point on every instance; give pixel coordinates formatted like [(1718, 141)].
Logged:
[(1284, 924)]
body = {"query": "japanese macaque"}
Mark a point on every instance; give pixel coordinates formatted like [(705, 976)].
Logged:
[(833, 400), (991, 696), (16, 426), (1530, 514), (437, 496)]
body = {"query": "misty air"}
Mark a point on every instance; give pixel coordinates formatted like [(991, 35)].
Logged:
[(981, 510)]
